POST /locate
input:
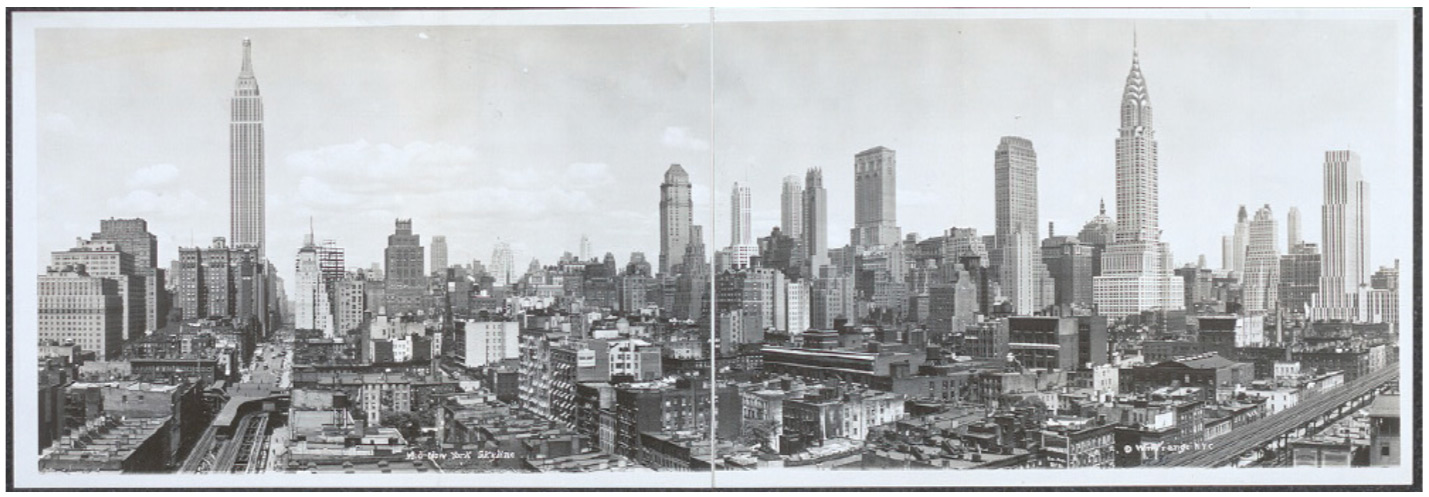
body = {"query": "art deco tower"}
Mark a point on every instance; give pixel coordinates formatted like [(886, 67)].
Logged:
[(245, 158), (791, 208), (1015, 167), (1135, 268), (816, 219), (875, 198), (1345, 239), (676, 218)]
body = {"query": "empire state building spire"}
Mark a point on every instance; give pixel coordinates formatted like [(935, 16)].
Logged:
[(245, 154)]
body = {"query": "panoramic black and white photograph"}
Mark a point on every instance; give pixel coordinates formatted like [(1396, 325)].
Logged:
[(713, 248)]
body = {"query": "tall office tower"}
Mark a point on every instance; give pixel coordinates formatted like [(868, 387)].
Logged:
[(503, 264), (103, 259), (439, 255), (1015, 166), (1227, 253), (875, 201), (741, 241), (75, 305), (739, 230), (791, 208), (1240, 243), (1345, 238), (218, 281), (586, 254), (816, 218), (245, 158), (406, 279), (1136, 272), (1261, 283), (1293, 235), (689, 299), (1069, 262), (132, 237), (1299, 277), (1099, 233), (190, 290), (676, 217), (312, 307)]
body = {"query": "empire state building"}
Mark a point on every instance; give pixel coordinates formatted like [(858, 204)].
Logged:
[(245, 158), (1136, 268)]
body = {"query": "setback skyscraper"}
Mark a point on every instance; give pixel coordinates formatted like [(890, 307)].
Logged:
[(676, 218), (406, 281), (1015, 165), (816, 218), (791, 208), (132, 237), (1345, 238), (1293, 235), (1261, 282), (245, 134), (1240, 243), (1136, 272), (741, 239), (439, 254), (875, 199)]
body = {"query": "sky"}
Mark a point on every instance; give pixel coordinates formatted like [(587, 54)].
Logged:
[(531, 135), (538, 134)]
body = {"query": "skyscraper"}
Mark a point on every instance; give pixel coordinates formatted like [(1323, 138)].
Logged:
[(739, 200), (312, 306), (791, 208), (816, 218), (132, 237), (1299, 277), (1227, 253), (1240, 243), (1344, 236), (1015, 165), (741, 240), (586, 253), (405, 279), (875, 198), (1261, 282), (503, 264), (439, 254), (245, 158), (1136, 272), (676, 217), (1293, 235)]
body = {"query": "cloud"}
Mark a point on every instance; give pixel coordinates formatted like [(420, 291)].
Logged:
[(442, 184), (155, 175), (163, 204), (679, 137)]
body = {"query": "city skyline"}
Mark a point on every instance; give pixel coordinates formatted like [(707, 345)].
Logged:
[(301, 173), (816, 244)]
